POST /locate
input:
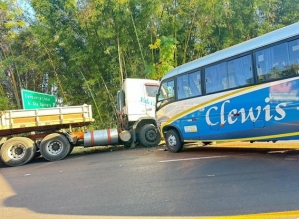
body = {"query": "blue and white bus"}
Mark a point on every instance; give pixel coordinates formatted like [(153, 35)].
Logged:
[(248, 92)]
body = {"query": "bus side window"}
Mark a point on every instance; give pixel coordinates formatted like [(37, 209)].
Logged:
[(188, 85), (294, 56), (183, 89), (240, 71), (214, 77), (262, 67), (294, 51), (273, 62), (195, 83)]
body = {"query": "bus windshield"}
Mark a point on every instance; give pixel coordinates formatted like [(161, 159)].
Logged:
[(165, 94)]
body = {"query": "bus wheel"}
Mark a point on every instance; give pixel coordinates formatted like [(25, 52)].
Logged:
[(173, 141), (149, 136), (54, 147), (17, 151)]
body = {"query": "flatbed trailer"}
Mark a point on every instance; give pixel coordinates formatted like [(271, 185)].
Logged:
[(21, 121), (28, 133)]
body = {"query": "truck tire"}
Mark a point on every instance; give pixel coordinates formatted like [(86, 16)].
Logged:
[(149, 136), (17, 151), (54, 147), (173, 141)]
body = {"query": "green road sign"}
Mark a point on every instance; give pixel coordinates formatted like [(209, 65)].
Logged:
[(35, 100)]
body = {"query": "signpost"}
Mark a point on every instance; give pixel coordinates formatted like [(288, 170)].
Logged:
[(35, 100)]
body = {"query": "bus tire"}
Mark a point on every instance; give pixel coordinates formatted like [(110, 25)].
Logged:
[(149, 136), (55, 147), (17, 151), (173, 141)]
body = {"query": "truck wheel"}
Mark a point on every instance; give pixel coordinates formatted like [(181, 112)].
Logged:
[(149, 136), (54, 147), (173, 141), (17, 151)]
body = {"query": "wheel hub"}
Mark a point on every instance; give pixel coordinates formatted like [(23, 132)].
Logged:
[(55, 147), (17, 151), (151, 135), (172, 140)]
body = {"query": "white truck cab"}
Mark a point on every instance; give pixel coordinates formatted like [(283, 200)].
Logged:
[(136, 112), (140, 98)]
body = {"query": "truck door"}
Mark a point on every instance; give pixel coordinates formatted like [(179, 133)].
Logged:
[(139, 98)]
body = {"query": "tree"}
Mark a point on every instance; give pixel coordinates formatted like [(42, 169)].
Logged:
[(10, 25), (166, 47)]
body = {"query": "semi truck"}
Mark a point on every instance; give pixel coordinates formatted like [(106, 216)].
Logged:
[(48, 132)]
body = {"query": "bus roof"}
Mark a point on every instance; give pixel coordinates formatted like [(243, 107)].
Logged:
[(269, 38)]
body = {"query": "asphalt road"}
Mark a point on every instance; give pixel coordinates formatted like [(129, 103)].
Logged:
[(151, 182)]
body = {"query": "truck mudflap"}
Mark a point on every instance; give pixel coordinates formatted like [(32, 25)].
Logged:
[(101, 137)]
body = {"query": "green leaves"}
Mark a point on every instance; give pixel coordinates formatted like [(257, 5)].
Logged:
[(166, 48)]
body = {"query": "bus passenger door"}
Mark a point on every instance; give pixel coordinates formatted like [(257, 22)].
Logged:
[(189, 127), (188, 87)]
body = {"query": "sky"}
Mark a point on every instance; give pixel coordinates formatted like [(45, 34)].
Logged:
[(26, 7)]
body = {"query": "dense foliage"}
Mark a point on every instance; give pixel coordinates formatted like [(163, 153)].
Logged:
[(80, 50)]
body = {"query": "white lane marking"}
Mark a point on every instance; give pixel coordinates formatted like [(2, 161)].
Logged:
[(194, 158)]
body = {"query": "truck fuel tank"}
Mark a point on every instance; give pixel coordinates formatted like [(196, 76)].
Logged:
[(101, 137)]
